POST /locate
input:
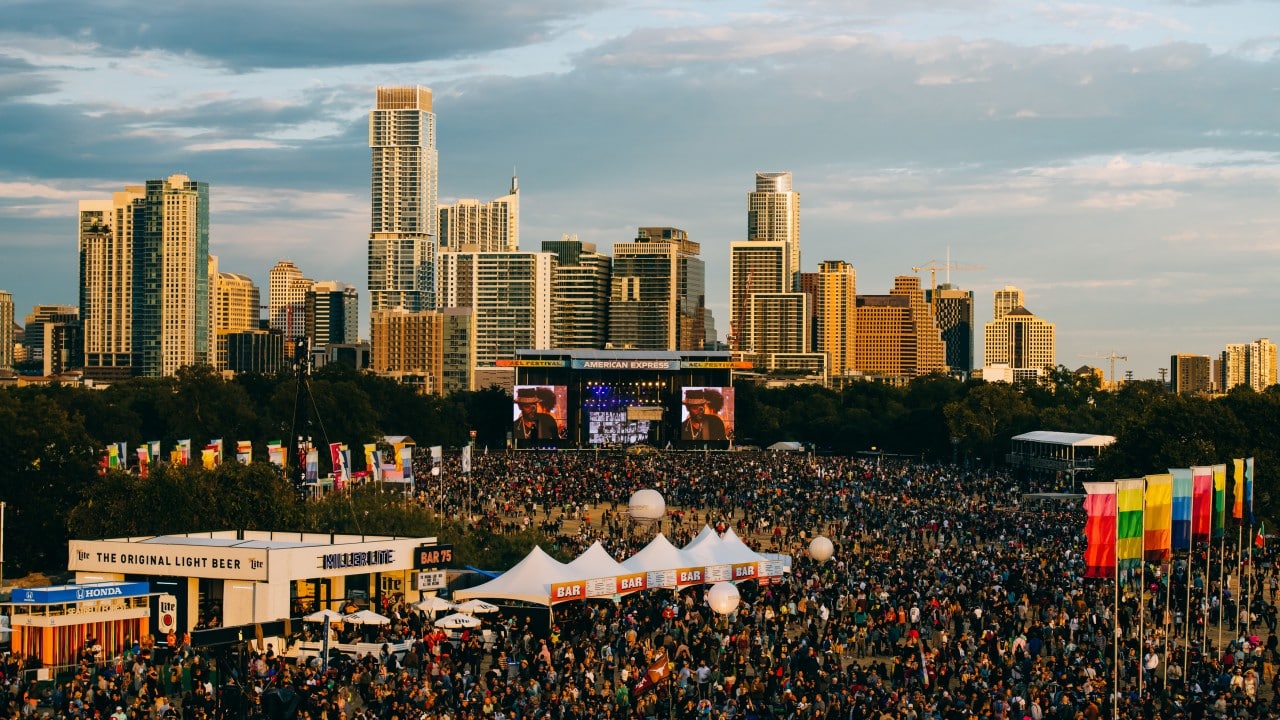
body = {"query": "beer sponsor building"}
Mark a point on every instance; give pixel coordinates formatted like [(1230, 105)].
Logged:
[(246, 577)]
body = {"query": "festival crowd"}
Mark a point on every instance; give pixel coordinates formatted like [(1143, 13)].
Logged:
[(949, 597)]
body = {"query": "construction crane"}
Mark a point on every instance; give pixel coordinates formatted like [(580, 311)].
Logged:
[(933, 267), (1113, 357)]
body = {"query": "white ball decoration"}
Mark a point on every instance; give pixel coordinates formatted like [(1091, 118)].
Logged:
[(821, 549), (647, 505), (723, 598)]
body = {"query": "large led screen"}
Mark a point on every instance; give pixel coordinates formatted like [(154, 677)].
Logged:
[(706, 414), (540, 413), (611, 427)]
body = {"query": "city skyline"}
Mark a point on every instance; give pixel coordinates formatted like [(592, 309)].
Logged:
[(1116, 162)]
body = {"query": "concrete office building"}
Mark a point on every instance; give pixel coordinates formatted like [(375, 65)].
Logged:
[(6, 330), (755, 267), (1006, 299), (1252, 364), (287, 288), (579, 294), (430, 350), (657, 298), (896, 334), (332, 314), (235, 309), (471, 226), (510, 295), (106, 283), (773, 215), (1190, 374), (405, 185), (1018, 338), (836, 294)]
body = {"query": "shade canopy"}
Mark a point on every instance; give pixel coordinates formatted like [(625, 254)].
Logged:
[(529, 581), (325, 616), (457, 621), (434, 604), (474, 607), (367, 617)]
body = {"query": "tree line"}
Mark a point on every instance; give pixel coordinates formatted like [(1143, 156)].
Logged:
[(55, 438)]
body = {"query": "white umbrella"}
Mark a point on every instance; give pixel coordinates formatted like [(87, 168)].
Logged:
[(434, 604), (324, 616), (366, 617), (456, 621), (476, 606)]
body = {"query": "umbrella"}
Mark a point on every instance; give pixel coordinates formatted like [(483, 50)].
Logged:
[(366, 617), (457, 620), (434, 604), (477, 606), (324, 616)]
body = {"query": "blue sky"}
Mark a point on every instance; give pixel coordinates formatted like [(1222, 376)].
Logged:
[(1119, 162)]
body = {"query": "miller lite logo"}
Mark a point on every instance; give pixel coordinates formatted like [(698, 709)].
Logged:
[(631, 583), (565, 592)]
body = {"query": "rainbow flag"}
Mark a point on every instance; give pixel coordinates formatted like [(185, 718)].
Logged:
[(1100, 529), (1202, 503), (1182, 492), (1219, 500), (1158, 518), (1129, 527), (1237, 490)]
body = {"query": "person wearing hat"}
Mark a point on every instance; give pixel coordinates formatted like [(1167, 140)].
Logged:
[(533, 423), (699, 425)]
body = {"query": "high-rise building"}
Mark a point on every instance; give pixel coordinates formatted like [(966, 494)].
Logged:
[(510, 295), (1190, 374), (54, 337), (171, 277), (579, 294), (256, 351), (288, 289), (778, 326), (471, 226), (836, 294), (6, 330), (403, 234), (431, 350), (106, 282), (657, 297), (953, 314), (1006, 299), (896, 335), (773, 215), (1018, 339), (333, 314), (235, 309), (755, 267), (1252, 364)]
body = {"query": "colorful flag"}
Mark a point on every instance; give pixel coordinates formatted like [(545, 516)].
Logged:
[(377, 467), (124, 455), (1260, 540), (184, 451), (1100, 529), (275, 453), (1129, 524), (209, 456), (155, 450), (144, 459), (113, 456), (1201, 503), (1158, 518), (399, 447), (466, 459), (1182, 494), (369, 465), (1237, 490), (658, 672), (244, 452), (1219, 500), (405, 463), (1248, 488), (339, 465), (312, 461)]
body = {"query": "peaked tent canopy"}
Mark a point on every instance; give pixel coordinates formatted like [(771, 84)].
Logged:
[(787, 445), (706, 547), (595, 562), (733, 550), (659, 554), (529, 581)]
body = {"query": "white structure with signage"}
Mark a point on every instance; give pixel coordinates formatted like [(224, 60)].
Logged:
[(252, 576)]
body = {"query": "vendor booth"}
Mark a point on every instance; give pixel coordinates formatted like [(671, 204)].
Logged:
[(245, 577), (55, 624)]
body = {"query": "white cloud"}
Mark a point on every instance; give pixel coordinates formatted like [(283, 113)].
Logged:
[(1154, 199)]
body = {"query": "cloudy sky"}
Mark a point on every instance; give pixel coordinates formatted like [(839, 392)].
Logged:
[(1119, 162)]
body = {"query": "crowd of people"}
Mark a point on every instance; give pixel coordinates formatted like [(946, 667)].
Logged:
[(949, 597)]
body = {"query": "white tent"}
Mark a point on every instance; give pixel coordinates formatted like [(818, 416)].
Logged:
[(595, 562), (733, 550), (659, 554), (530, 581), (474, 607), (434, 604), (366, 617), (706, 548), (787, 445), (324, 616)]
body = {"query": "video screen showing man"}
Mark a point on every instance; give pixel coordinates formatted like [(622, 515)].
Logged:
[(698, 423), (535, 421)]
